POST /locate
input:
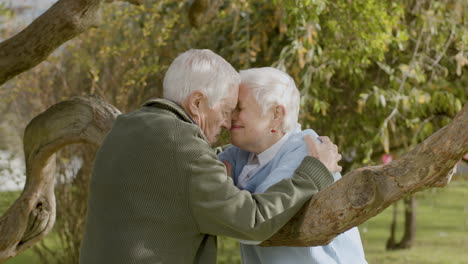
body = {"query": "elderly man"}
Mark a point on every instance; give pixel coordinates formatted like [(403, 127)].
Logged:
[(159, 194)]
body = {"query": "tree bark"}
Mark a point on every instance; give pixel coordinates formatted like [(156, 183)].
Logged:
[(356, 197), (32, 216), (63, 21)]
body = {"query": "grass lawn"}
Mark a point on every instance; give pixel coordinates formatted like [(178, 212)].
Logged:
[(441, 236)]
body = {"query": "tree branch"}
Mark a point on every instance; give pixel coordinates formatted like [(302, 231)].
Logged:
[(364, 193), (32, 216), (63, 21)]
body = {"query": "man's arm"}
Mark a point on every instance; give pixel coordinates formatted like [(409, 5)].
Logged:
[(220, 208)]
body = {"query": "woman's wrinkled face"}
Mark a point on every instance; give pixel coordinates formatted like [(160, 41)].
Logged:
[(251, 128)]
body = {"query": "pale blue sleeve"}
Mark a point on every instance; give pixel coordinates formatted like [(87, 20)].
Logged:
[(229, 155), (289, 162), (285, 168)]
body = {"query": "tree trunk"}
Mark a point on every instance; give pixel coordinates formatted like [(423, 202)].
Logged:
[(410, 223), (356, 197), (409, 226), (391, 242), (32, 215)]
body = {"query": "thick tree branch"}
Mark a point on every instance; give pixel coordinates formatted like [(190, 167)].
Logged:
[(203, 11), (63, 21), (364, 193), (32, 216)]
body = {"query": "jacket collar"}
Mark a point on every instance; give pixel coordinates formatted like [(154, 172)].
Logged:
[(170, 106), (174, 108)]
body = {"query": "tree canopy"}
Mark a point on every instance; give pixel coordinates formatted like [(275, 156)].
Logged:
[(375, 76)]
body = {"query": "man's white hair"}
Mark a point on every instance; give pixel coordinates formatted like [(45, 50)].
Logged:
[(201, 70), (273, 87)]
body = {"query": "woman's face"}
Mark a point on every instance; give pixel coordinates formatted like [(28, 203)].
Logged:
[(250, 129)]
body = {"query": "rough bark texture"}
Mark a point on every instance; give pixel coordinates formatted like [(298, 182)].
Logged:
[(363, 193), (63, 21), (32, 216)]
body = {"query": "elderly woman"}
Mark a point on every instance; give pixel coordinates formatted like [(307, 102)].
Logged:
[(268, 147)]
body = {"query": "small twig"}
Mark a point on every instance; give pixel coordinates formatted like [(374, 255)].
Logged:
[(422, 125), (438, 58), (402, 83), (447, 44)]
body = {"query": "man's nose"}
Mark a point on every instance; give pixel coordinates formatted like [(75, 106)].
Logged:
[(234, 115), (227, 122)]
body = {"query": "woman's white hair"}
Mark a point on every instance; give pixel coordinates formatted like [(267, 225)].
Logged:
[(201, 70), (273, 87)]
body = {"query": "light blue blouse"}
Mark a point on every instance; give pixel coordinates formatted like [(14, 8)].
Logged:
[(345, 248)]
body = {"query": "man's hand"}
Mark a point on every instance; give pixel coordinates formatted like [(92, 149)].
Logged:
[(326, 152)]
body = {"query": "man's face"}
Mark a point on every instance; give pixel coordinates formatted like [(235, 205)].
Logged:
[(217, 117)]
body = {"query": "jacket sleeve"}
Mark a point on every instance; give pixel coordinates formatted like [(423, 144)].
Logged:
[(220, 208)]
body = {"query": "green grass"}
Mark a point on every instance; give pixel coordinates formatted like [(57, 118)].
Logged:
[(441, 235)]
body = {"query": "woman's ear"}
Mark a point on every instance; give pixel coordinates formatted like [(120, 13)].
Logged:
[(278, 117), (279, 112)]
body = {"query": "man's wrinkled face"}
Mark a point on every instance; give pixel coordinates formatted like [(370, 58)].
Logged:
[(218, 117)]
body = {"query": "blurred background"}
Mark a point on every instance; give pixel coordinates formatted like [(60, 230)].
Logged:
[(377, 77)]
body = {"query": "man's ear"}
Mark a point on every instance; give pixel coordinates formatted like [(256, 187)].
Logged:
[(193, 102)]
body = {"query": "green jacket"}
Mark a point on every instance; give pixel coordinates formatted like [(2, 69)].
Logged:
[(159, 194)]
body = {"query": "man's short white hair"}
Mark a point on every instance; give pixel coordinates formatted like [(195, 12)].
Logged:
[(201, 70), (273, 87)]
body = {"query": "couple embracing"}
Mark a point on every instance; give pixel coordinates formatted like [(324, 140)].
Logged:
[(160, 194)]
